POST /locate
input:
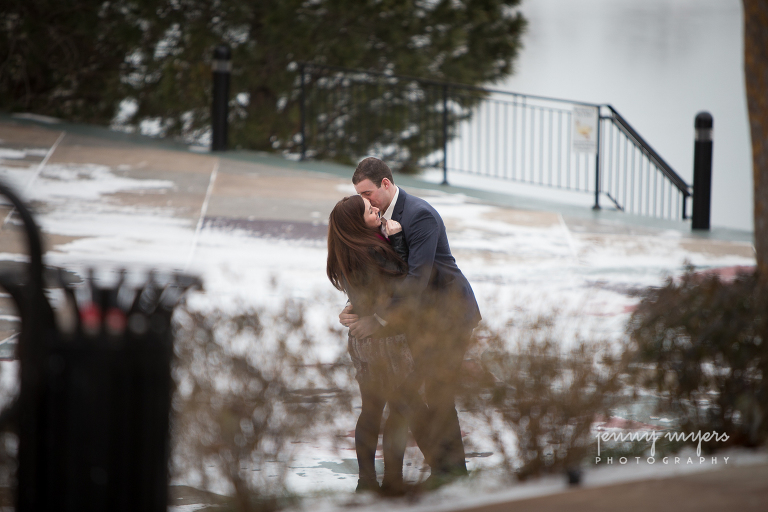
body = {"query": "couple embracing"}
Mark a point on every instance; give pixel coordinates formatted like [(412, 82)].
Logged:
[(410, 315)]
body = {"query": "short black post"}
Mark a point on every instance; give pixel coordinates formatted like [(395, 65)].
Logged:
[(303, 114), (222, 68), (702, 171)]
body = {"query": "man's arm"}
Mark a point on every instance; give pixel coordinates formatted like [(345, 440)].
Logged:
[(422, 246), (365, 327)]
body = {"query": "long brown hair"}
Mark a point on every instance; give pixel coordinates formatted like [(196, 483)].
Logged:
[(351, 244)]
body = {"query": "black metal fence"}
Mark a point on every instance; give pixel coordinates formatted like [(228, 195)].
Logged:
[(414, 123), (92, 415)]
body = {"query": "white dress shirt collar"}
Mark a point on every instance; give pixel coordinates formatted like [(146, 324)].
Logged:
[(391, 208)]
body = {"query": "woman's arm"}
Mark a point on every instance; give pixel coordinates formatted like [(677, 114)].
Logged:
[(398, 244)]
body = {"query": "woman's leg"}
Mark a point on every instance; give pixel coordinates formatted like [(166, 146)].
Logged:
[(395, 441), (406, 409), (409, 404), (367, 433)]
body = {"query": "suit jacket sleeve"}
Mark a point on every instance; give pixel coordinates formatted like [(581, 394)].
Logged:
[(422, 245)]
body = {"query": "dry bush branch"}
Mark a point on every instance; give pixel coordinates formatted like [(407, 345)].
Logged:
[(245, 393), (702, 344), (547, 395)]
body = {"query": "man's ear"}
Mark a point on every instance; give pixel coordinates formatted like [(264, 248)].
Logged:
[(386, 183)]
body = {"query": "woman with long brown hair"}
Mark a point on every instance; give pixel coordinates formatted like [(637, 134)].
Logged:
[(366, 257)]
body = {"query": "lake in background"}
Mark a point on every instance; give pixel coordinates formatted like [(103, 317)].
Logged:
[(659, 63)]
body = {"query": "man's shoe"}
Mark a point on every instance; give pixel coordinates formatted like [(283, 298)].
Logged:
[(367, 485), (439, 479), (393, 486), (434, 482)]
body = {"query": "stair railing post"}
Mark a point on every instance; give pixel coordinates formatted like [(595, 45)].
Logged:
[(597, 164), (445, 134), (303, 114)]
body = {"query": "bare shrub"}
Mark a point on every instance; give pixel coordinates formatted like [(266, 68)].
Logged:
[(547, 395), (247, 387), (240, 404), (703, 344)]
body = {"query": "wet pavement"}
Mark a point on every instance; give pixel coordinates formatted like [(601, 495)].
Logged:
[(504, 239), (273, 198), (742, 488)]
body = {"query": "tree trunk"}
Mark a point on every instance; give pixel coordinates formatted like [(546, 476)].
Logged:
[(756, 75)]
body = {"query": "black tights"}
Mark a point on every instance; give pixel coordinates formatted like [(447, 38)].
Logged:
[(435, 425), (404, 409)]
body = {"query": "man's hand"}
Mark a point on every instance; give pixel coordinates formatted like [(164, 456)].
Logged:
[(364, 328), (347, 317)]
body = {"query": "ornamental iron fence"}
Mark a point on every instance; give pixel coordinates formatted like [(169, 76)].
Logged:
[(414, 124)]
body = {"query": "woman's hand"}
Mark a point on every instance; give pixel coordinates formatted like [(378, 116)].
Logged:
[(391, 226), (347, 317)]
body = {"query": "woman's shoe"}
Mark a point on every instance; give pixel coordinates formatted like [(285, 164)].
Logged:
[(367, 485), (393, 485)]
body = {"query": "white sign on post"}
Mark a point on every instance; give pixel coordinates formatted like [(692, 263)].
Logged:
[(584, 130)]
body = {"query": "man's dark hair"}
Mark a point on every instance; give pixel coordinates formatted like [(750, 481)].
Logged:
[(372, 169)]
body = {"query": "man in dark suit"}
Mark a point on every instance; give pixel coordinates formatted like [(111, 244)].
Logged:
[(440, 311)]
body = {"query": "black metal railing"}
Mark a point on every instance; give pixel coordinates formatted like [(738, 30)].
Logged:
[(637, 177), (92, 414), (415, 123)]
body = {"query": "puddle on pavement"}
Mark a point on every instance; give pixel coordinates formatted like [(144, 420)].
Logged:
[(345, 467)]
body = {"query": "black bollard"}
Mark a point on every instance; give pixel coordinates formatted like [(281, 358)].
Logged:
[(222, 68), (702, 171)]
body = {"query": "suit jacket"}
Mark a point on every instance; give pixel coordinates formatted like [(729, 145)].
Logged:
[(434, 281)]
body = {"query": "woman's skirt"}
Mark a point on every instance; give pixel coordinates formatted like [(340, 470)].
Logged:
[(381, 362)]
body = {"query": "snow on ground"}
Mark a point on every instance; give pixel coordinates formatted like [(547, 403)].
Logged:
[(517, 271)]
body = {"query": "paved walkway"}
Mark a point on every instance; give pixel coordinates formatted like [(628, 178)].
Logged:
[(737, 488), (104, 184), (268, 196), (743, 489)]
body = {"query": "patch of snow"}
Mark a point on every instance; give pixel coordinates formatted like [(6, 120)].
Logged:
[(87, 182), (37, 117), (12, 154), (517, 272)]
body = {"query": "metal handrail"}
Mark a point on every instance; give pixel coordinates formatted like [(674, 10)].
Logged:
[(630, 132), (539, 151)]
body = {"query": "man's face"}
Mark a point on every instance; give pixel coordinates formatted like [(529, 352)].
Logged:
[(380, 197)]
